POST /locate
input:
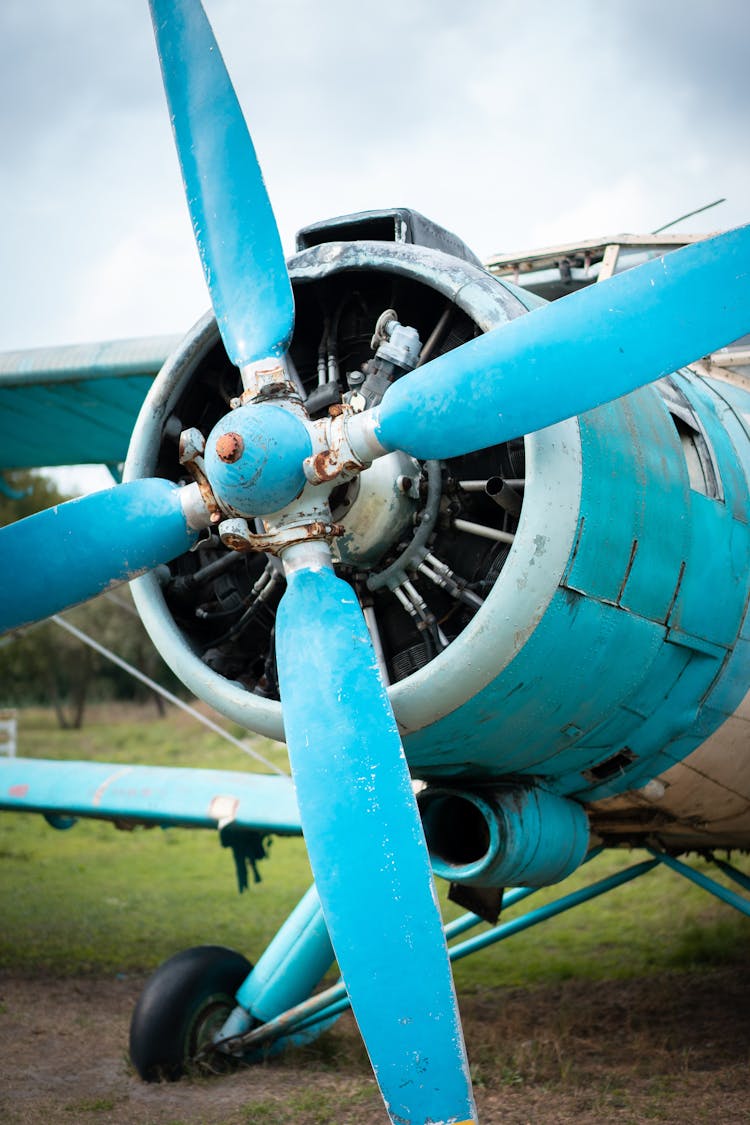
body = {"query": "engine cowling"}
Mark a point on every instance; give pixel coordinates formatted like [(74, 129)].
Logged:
[(540, 607), (422, 543)]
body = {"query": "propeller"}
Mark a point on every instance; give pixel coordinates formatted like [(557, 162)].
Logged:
[(366, 846), (233, 222), (74, 551), (358, 811), (573, 354), (359, 815)]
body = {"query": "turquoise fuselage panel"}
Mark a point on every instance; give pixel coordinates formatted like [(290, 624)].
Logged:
[(644, 648)]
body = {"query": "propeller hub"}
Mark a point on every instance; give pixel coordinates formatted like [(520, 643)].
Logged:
[(253, 459)]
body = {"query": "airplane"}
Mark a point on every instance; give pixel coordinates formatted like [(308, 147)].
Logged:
[(396, 509)]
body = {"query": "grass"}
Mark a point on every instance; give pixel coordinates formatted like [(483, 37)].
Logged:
[(93, 899), (133, 733), (657, 923), (91, 1105), (327, 1107)]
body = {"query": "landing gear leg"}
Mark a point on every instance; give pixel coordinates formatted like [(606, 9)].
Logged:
[(298, 957)]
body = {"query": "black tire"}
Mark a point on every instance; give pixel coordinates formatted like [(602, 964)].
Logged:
[(181, 1007)]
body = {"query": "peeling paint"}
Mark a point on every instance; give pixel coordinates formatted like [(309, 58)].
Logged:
[(96, 800)]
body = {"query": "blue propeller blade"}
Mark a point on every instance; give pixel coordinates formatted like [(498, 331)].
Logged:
[(574, 354), (232, 218), (367, 850), (76, 550)]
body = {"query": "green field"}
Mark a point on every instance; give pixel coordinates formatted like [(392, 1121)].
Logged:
[(97, 900)]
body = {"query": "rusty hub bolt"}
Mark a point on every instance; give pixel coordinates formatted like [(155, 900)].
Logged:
[(230, 447)]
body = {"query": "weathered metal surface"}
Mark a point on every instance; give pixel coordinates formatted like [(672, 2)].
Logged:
[(297, 958), (383, 510), (150, 795), (606, 669), (518, 835), (232, 218), (559, 671), (191, 450), (337, 454), (509, 616), (633, 536), (230, 447), (267, 474), (701, 798), (236, 534), (268, 378), (486, 299), (74, 551), (353, 785), (558, 355)]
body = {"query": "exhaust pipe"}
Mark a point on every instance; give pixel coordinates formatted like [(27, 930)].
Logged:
[(514, 836)]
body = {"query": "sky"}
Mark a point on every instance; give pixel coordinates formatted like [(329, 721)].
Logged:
[(514, 125)]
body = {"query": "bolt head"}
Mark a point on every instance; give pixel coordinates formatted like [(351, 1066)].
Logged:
[(230, 447)]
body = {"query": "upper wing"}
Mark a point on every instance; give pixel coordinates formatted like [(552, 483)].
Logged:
[(75, 405), (151, 795)]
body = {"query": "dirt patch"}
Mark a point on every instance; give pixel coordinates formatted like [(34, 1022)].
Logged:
[(672, 1049)]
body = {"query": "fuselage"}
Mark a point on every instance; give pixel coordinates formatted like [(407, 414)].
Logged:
[(621, 680)]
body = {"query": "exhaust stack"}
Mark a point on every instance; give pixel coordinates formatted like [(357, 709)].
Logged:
[(515, 836)]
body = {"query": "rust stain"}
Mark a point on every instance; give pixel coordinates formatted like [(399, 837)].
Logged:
[(278, 539), (230, 447), (237, 543), (325, 466), (192, 445)]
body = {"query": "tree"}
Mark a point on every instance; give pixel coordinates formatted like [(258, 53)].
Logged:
[(24, 492)]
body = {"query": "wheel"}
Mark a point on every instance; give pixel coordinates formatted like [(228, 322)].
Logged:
[(181, 1008)]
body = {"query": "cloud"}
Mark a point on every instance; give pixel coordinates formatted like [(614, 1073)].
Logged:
[(511, 123), (151, 274)]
